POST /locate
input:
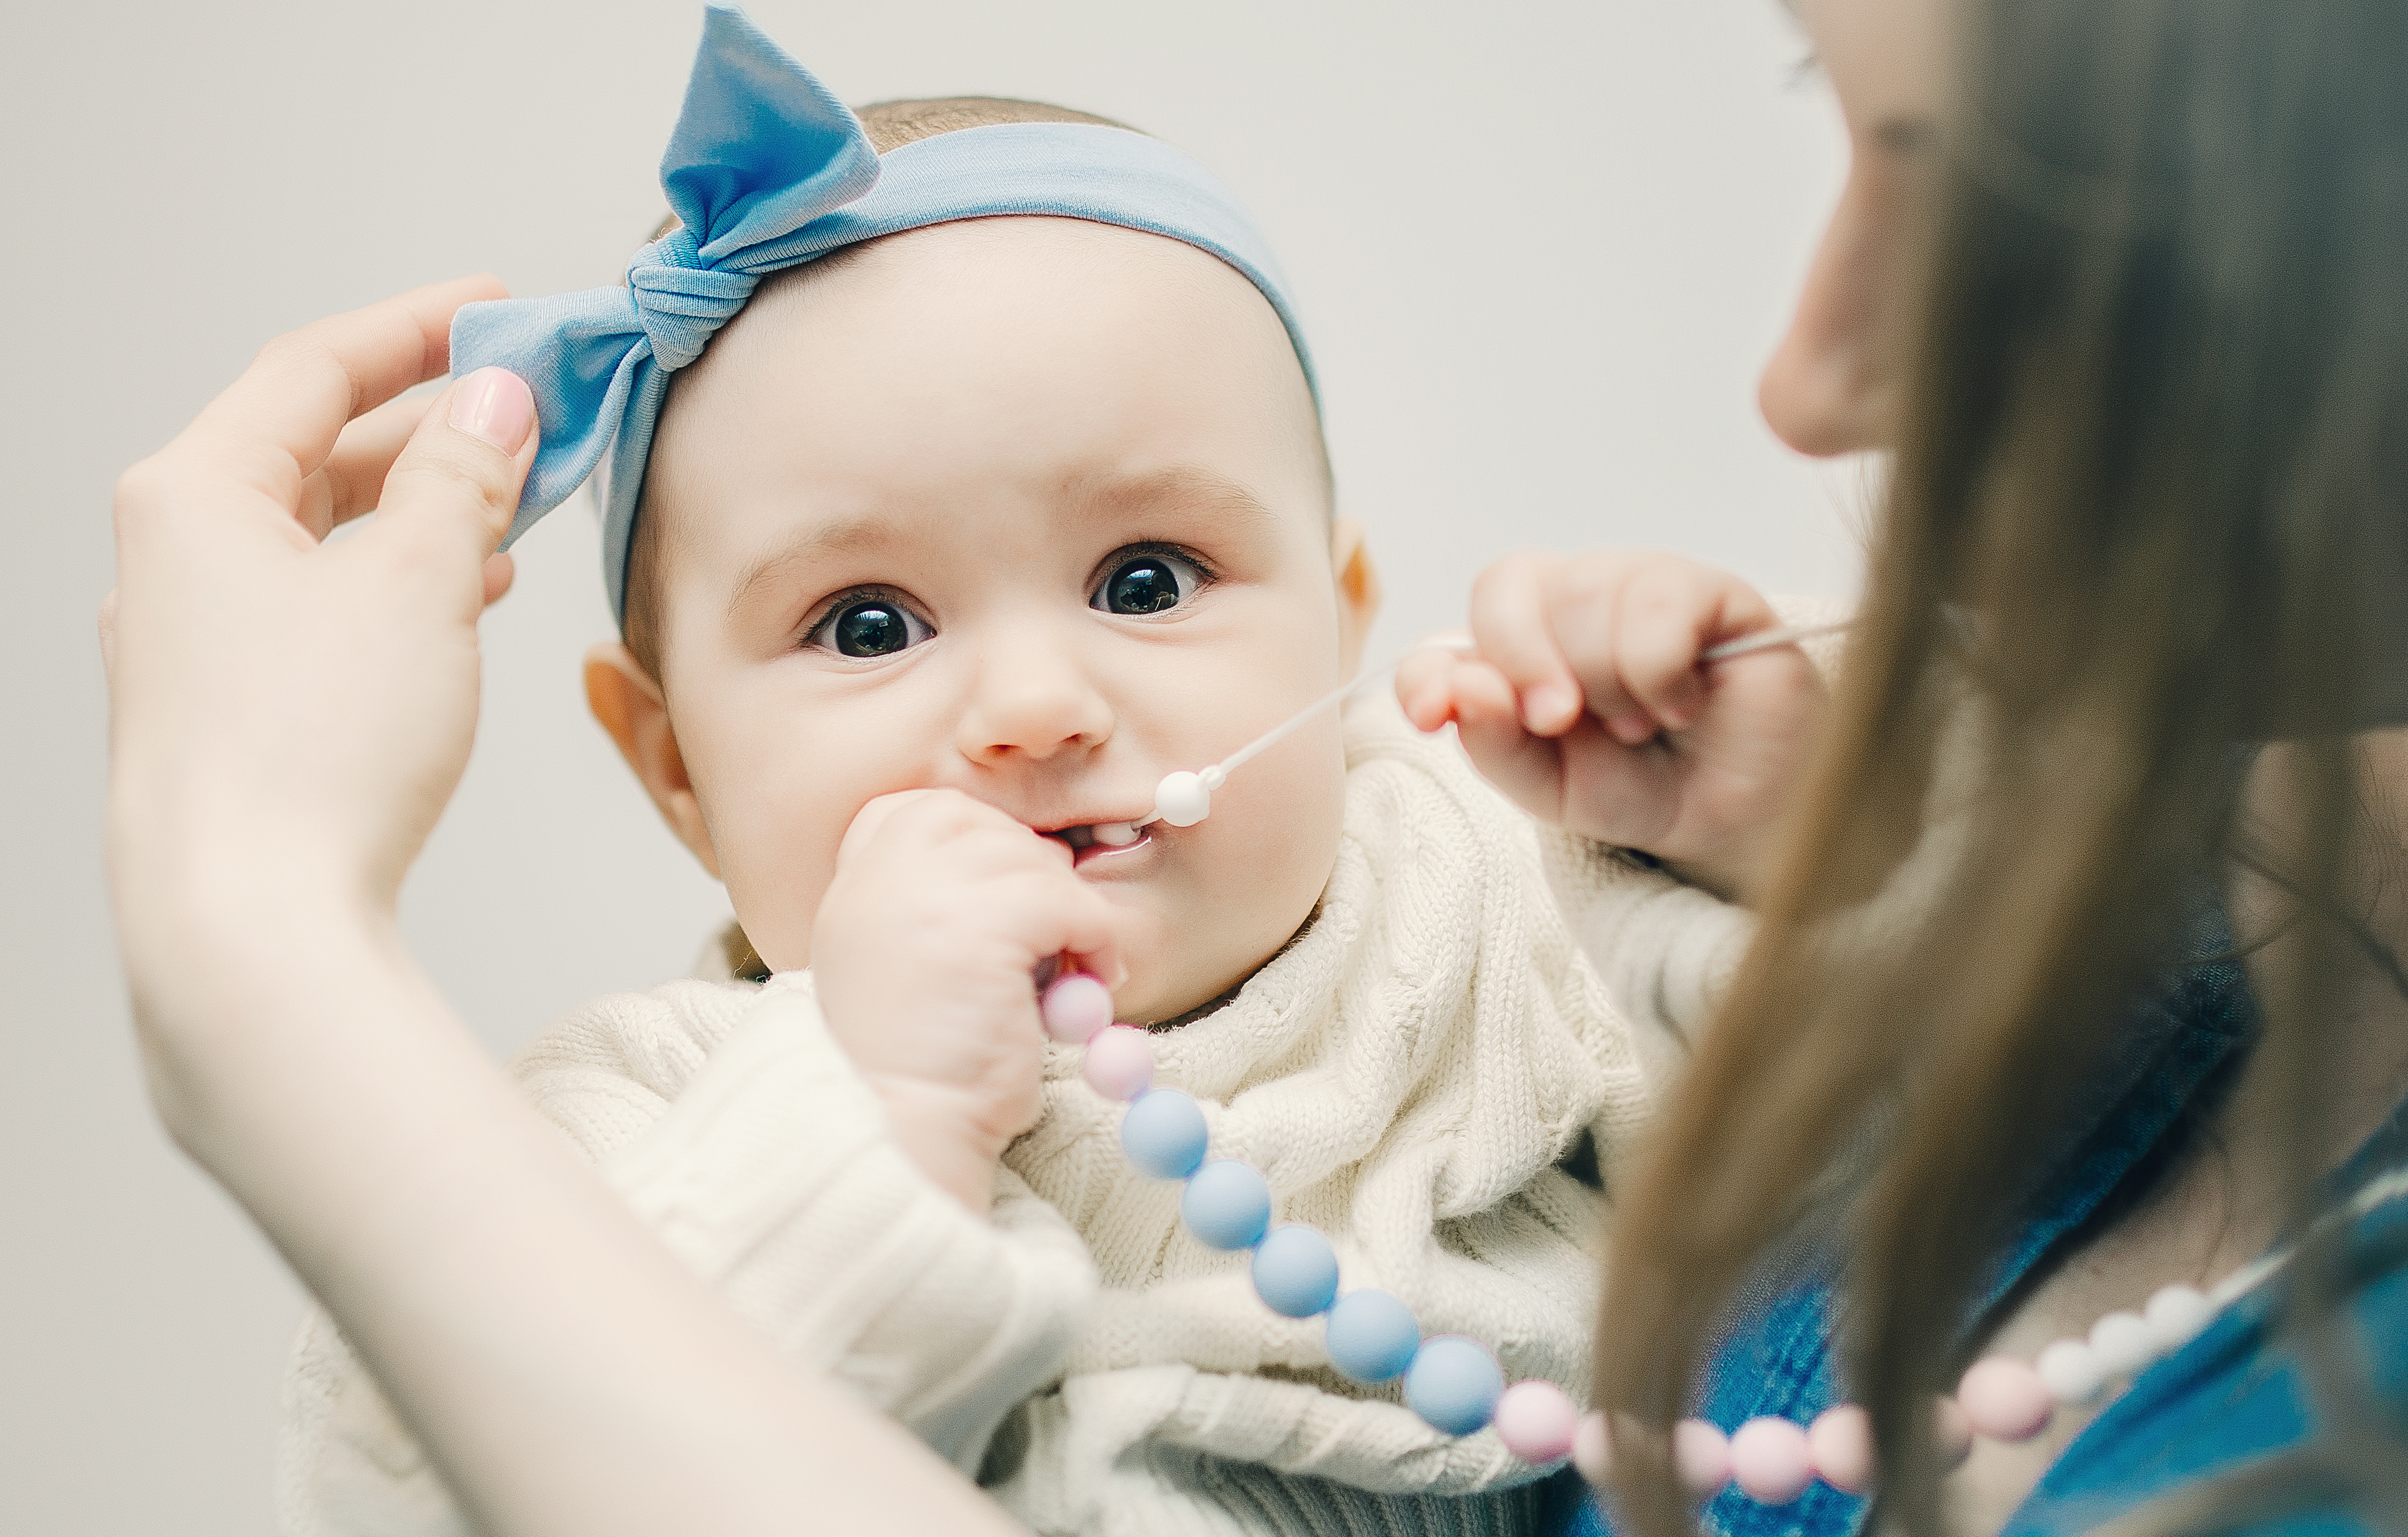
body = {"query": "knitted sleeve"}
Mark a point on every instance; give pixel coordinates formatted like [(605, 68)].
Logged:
[(1665, 950), (731, 1123)]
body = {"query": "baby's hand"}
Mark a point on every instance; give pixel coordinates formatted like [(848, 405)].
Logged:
[(1586, 704), (924, 951)]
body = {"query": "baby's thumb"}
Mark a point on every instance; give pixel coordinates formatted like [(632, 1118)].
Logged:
[(454, 488)]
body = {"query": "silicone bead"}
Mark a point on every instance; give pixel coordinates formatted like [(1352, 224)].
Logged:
[(2005, 1399), (1840, 1441), (1701, 1455), (1593, 1450), (1769, 1459), (1074, 1008), (1227, 1205), (1454, 1383), (1116, 835), (1120, 1063), (2124, 1344), (1296, 1272), (2176, 1314), (1536, 1422), (1371, 1335), (1181, 799), (1952, 1434), (2071, 1371), (1163, 1134)]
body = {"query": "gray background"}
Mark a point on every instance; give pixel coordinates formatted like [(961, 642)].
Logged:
[(1542, 250)]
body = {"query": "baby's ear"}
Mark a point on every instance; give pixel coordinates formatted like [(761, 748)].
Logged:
[(631, 707), (1358, 588)]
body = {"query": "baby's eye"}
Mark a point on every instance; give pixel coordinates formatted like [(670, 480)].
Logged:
[(1147, 583), (869, 626)]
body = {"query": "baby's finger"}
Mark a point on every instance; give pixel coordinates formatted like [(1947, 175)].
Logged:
[(1053, 912), (1488, 722), (1510, 621), (872, 819), (1421, 682)]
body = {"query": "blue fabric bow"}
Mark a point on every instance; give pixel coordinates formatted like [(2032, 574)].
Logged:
[(767, 169)]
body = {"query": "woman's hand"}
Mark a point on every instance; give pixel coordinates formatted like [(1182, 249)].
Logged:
[(289, 714), (289, 718), (1585, 702)]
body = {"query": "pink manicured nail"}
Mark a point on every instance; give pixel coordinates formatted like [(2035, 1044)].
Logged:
[(495, 405)]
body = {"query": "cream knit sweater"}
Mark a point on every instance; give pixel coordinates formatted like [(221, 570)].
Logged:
[(1409, 1073)]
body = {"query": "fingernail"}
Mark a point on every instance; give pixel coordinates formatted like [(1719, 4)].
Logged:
[(1548, 705), (495, 404)]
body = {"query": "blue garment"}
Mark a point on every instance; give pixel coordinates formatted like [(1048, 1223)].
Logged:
[(2230, 1396), (767, 170)]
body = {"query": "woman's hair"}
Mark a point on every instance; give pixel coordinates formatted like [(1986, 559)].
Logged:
[(2151, 505)]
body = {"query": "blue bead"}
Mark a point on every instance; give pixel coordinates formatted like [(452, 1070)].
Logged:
[(1296, 1272), (1453, 1384), (1371, 1335), (1226, 1204), (1163, 1134)]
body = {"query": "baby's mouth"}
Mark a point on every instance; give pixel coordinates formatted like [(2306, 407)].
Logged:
[(1100, 840)]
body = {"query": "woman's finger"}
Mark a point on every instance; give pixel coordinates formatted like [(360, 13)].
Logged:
[(451, 493), (351, 480), (1509, 620), (275, 426)]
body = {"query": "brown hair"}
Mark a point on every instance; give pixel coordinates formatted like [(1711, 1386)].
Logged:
[(888, 124), (2148, 501)]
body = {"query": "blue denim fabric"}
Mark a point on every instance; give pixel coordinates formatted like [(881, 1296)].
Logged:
[(2230, 1395)]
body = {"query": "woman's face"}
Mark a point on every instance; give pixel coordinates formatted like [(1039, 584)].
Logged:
[(1830, 386)]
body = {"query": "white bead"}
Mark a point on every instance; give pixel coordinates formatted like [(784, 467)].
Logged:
[(2072, 1372), (2123, 1343), (2176, 1314), (1116, 835), (1183, 799)]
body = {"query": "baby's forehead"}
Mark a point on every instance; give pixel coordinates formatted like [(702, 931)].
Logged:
[(985, 351)]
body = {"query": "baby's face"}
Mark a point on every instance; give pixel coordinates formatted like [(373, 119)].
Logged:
[(1028, 507)]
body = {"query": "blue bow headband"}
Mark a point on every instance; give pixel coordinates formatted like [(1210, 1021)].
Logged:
[(767, 170)]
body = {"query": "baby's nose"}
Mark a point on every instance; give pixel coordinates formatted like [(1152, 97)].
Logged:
[(1033, 704)]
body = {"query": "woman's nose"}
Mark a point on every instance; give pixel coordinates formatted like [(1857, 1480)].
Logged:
[(1032, 700)]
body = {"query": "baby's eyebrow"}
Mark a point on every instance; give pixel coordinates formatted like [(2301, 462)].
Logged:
[(1188, 486), (847, 536)]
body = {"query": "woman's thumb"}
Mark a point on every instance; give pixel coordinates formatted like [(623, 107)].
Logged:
[(456, 483)]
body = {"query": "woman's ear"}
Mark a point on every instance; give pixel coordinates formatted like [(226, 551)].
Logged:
[(630, 706), (1358, 589)]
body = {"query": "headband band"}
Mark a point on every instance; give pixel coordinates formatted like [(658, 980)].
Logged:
[(767, 170)]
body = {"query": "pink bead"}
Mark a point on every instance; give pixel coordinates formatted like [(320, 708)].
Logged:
[(1593, 1450), (1840, 1441), (1769, 1458), (1536, 1420), (2004, 1398), (1951, 1432), (1120, 1062), (1074, 1008), (1701, 1455)]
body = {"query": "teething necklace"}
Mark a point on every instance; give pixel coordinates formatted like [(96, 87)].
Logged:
[(1452, 1382)]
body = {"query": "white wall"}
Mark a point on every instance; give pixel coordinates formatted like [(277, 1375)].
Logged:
[(1541, 247)]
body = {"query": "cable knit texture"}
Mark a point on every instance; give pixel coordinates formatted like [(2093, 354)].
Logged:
[(1408, 1073)]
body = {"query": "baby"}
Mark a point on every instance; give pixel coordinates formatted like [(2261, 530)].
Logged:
[(936, 558)]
